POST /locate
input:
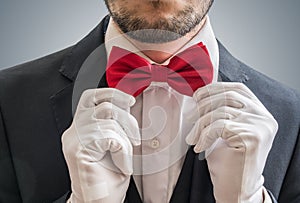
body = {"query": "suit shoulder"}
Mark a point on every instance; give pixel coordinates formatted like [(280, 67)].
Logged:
[(271, 91), (40, 75), (39, 66), (264, 87)]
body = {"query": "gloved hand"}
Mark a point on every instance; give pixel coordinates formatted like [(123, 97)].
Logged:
[(238, 131), (98, 146)]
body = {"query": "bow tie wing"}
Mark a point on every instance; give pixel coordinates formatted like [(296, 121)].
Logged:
[(125, 69), (192, 67)]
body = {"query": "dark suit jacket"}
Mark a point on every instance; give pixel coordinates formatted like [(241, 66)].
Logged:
[(36, 108)]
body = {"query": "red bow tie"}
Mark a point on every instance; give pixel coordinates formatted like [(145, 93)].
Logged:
[(186, 72)]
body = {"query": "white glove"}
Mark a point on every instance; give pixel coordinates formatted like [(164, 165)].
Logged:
[(98, 146), (238, 131)]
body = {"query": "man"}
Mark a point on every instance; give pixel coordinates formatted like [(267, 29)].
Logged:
[(170, 83)]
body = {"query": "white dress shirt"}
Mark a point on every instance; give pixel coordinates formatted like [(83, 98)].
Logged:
[(163, 116)]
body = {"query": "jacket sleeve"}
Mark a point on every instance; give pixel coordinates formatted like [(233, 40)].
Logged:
[(9, 190), (290, 191)]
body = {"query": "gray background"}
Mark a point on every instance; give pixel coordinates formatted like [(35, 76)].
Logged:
[(263, 34)]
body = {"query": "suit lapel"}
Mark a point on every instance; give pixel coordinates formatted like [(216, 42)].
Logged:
[(83, 67), (61, 107), (230, 69)]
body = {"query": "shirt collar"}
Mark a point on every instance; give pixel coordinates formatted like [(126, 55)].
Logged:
[(206, 35)]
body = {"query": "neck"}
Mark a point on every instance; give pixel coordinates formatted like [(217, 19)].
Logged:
[(162, 52)]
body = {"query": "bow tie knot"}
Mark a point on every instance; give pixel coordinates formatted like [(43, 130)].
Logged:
[(186, 72), (159, 73)]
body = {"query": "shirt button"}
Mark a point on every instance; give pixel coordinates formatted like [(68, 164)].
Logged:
[(155, 143)]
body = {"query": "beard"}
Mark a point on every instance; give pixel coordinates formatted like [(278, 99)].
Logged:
[(154, 29)]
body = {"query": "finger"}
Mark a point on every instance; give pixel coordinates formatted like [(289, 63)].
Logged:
[(210, 134), (228, 99), (128, 122), (88, 171), (93, 97), (222, 87), (204, 121), (122, 158), (232, 98), (120, 150), (113, 140)]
